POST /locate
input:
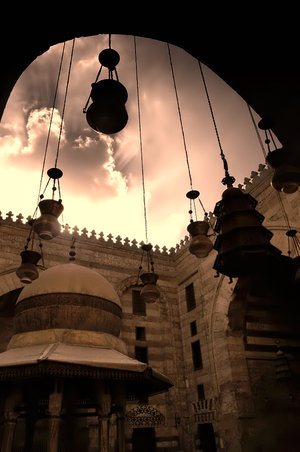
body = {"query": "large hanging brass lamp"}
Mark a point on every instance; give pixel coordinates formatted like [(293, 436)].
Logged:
[(243, 244), (286, 176), (107, 113), (47, 226)]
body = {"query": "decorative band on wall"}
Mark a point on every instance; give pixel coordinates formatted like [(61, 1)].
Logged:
[(67, 310), (144, 416), (74, 299)]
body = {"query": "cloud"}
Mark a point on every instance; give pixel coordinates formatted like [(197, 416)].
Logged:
[(101, 184)]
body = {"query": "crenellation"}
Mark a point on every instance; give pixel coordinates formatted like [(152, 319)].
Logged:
[(229, 371)]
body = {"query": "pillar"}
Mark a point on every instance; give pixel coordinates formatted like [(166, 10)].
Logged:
[(13, 398), (9, 425), (120, 402), (104, 414), (54, 410)]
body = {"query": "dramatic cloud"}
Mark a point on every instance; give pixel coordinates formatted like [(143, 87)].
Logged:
[(102, 184)]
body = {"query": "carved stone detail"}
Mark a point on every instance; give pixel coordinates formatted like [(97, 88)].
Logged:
[(144, 415)]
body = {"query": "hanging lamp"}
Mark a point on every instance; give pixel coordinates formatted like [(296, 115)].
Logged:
[(243, 244), (149, 292), (28, 269), (286, 176), (107, 113), (200, 245), (50, 209), (47, 226)]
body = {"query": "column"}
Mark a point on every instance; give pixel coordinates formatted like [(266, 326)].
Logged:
[(54, 410), (13, 398), (10, 420), (120, 401), (104, 414)]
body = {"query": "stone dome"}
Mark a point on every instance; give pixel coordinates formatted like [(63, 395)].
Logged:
[(70, 302), (70, 278)]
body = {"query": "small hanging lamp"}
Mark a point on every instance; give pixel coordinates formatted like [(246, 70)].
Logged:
[(200, 245), (107, 113), (28, 270), (149, 292), (286, 177), (47, 226)]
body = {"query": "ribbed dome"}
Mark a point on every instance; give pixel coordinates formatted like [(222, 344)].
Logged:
[(71, 302), (70, 278)]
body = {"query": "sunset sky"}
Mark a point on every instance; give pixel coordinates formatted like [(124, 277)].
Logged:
[(102, 185)]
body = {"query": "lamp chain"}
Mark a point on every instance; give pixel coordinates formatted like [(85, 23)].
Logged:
[(141, 143), (228, 180)]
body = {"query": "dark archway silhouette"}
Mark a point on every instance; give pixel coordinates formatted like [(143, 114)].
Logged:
[(247, 49)]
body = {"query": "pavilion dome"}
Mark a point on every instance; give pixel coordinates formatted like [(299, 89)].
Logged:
[(70, 278), (68, 303)]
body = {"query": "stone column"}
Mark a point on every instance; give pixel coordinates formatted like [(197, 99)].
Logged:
[(9, 425), (104, 414), (13, 398), (120, 401), (54, 410)]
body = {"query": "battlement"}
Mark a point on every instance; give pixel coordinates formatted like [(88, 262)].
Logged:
[(84, 235), (256, 178)]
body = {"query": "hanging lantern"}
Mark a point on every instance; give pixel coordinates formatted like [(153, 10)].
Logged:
[(243, 244), (149, 292), (200, 244), (286, 177), (47, 226), (107, 113), (27, 272)]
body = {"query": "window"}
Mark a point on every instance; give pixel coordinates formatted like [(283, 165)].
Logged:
[(138, 305), (193, 326), (190, 297), (196, 353), (140, 333), (200, 392), (141, 354)]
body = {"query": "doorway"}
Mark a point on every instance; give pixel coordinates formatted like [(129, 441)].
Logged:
[(206, 438), (143, 440)]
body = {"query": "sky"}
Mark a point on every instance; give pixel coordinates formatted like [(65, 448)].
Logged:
[(101, 185)]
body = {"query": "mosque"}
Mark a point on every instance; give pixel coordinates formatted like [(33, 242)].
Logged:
[(88, 364)]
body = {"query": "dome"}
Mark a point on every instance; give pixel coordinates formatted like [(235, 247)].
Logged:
[(70, 278), (69, 301)]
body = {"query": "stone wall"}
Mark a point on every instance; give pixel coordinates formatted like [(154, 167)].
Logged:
[(237, 334)]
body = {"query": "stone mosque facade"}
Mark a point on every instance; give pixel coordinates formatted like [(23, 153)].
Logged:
[(223, 356)]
